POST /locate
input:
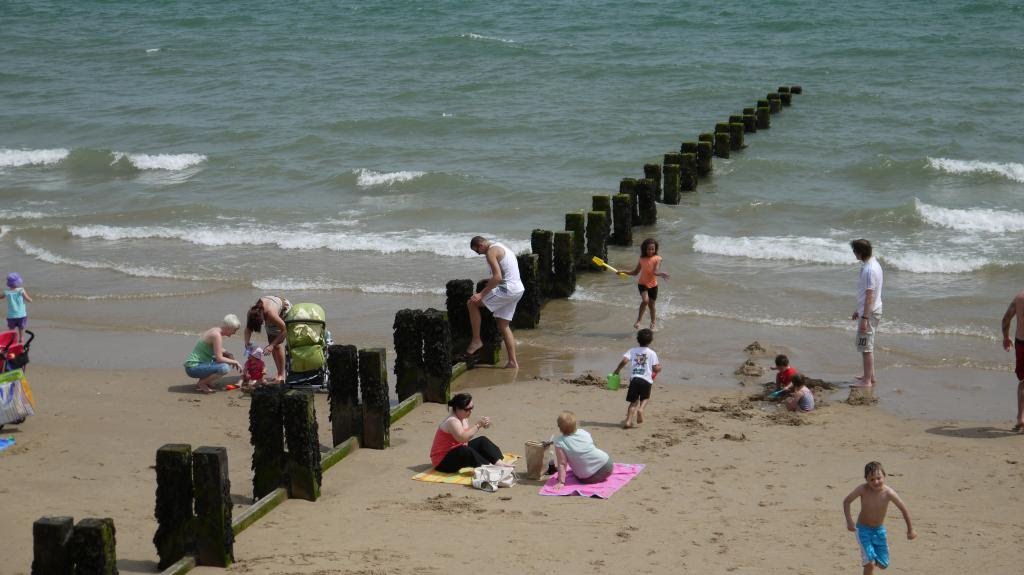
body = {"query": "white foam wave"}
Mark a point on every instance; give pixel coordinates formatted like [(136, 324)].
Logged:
[(1010, 170), (49, 257), (473, 36), (383, 242), (15, 158), (152, 50), (794, 248), (935, 263), (369, 178), (25, 215), (169, 162), (326, 285), (4, 230), (971, 220)]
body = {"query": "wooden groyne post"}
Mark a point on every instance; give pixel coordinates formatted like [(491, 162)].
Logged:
[(51, 545), (653, 172), (215, 540), (373, 380), (670, 178), (527, 314), (174, 536), (408, 338), (576, 222), (346, 413), (541, 244), (564, 280), (266, 433), (622, 219), (435, 330), (303, 438), (94, 546)]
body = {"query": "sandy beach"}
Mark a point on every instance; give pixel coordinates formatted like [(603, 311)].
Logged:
[(729, 487)]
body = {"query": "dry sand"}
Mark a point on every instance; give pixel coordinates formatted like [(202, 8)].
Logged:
[(730, 486)]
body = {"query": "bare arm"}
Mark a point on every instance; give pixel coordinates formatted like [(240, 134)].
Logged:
[(657, 267), (911, 534), (562, 462), (1007, 318), (656, 369), (635, 271), (218, 351), (275, 318), (496, 277), (25, 293), (464, 433), (850, 526), (622, 364), (869, 306)]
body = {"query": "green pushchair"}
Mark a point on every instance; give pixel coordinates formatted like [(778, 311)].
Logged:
[(307, 339)]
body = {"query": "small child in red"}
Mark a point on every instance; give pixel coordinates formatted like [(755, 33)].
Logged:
[(255, 369), (783, 379)]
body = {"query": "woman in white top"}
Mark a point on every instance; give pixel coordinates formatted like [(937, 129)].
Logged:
[(576, 448)]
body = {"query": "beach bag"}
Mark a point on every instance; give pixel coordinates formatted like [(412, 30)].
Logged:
[(535, 451), (491, 477), (16, 401)]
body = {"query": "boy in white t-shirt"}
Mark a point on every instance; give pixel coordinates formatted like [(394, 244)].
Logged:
[(643, 368)]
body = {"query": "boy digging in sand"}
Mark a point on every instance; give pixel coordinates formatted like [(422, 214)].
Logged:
[(874, 496), (644, 367)]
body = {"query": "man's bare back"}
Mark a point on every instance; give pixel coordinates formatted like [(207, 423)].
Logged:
[(1015, 310)]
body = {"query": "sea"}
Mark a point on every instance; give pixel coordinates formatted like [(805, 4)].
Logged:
[(163, 163)]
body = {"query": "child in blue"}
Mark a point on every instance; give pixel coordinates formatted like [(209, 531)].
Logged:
[(874, 497), (643, 368), (16, 296)]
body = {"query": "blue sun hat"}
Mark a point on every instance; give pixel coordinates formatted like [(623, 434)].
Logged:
[(14, 280)]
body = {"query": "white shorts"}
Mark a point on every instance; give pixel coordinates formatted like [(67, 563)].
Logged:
[(866, 340), (502, 304)]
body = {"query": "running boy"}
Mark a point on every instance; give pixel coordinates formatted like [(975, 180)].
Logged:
[(874, 497), (644, 367)]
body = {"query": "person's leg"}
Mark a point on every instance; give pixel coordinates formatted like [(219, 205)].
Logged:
[(869, 569), (654, 321), (869, 368), (486, 449), (279, 363), (475, 343), (1020, 406), (631, 415), (510, 342), (204, 383), (461, 456), (644, 301)]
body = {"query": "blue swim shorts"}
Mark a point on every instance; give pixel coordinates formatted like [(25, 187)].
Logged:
[(873, 545), (201, 370)]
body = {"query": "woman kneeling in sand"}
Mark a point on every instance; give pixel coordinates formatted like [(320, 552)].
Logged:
[(208, 360), (454, 445)]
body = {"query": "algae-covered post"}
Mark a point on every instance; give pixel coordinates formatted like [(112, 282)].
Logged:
[(785, 96), (688, 172), (648, 207), (670, 170), (490, 353), (622, 212), (305, 472), (653, 172), (373, 379), (775, 102), (705, 152), (603, 203), (796, 90), (527, 314), (541, 245), (215, 539), (51, 545), (750, 120), (763, 115), (458, 293), (628, 186), (174, 536), (94, 546), (267, 437), (409, 374), (722, 144), (576, 222), (346, 416), (597, 236), (564, 281), (736, 135), (437, 354)]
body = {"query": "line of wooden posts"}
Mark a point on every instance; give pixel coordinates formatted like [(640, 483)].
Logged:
[(193, 495)]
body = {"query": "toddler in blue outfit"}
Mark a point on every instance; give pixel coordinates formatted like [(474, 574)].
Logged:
[(16, 296)]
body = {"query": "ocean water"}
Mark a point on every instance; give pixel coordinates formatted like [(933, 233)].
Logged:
[(155, 154)]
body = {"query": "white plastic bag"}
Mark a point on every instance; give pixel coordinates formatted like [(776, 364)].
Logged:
[(491, 477)]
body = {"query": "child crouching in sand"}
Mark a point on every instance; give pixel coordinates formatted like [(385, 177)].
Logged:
[(643, 367), (801, 398), (874, 497), (255, 369)]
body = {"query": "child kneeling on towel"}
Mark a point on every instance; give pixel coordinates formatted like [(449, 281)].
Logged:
[(576, 448)]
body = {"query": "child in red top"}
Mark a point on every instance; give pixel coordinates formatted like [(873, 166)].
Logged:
[(783, 379), (255, 368), (647, 283)]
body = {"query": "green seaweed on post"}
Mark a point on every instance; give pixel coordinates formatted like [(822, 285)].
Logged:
[(622, 220)]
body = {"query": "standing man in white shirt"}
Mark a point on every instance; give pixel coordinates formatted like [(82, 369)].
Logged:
[(869, 307), (502, 293)]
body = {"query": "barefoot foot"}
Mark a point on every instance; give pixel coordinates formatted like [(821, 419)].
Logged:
[(511, 365), (639, 417)]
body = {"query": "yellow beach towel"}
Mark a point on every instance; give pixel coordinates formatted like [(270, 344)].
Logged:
[(463, 477)]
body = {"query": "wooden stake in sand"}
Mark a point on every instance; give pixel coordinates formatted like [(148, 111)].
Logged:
[(174, 536), (346, 415), (215, 539), (51, 545)]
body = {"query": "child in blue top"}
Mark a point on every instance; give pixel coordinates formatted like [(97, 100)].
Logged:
[(16, 296)]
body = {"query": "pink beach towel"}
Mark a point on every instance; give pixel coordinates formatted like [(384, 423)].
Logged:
[(621, 475)]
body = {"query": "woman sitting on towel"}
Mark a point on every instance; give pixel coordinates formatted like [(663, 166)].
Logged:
[(454, 445), (576, 448)]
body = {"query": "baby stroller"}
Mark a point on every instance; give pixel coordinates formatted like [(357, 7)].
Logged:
[(307, 338), (16, 402)]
